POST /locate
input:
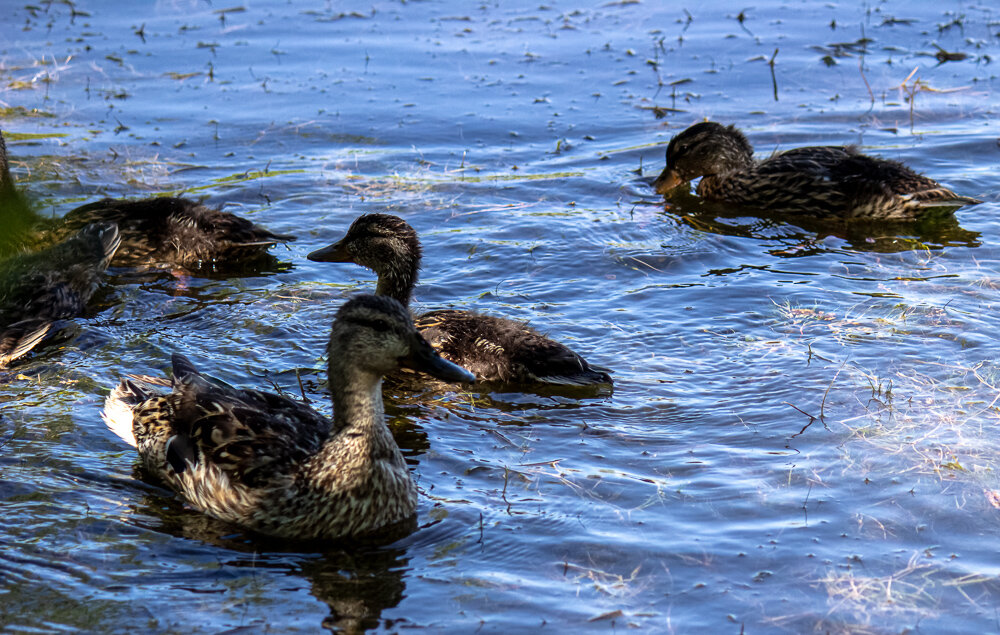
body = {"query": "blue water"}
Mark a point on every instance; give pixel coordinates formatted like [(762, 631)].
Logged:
[(803, 431)]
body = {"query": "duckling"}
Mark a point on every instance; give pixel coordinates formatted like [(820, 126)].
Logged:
[(165, 230), (37, 289), (822, 181), (495, 349), (275, 465)]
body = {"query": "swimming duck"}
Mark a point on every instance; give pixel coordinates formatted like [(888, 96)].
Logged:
[(275, 465), (495, 349), (822, 181), (37, 289), (165, 230), (176, 231)]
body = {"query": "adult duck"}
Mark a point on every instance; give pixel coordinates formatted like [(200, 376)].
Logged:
[(495, 349), (38, 289), (273, 464), (156, 231), (819, 181), (176, 231)]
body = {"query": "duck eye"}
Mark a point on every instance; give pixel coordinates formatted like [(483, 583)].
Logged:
[(375, 325)]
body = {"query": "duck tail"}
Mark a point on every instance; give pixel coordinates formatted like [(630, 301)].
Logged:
[(20, 337), (121, 403)]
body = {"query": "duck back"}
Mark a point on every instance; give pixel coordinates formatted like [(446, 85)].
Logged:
[(498, 349), (175, 230)]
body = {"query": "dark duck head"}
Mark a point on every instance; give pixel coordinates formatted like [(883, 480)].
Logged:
[(385, 244), (704, 149)]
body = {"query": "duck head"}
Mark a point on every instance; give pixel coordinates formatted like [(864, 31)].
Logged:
[(704, 149), (375, 335), (384, 243)]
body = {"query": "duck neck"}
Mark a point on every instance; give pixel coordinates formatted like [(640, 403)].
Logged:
[(357, 401), (358, 413), (398, 278)]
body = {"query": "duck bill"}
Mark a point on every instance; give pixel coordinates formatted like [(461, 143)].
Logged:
[(425, 359), (337, 252), (668, 180)]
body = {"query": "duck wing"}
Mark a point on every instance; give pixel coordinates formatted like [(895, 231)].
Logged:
[(498, 349), (56, 282), (177, 230), (19, 338), (831, 181), (250, 435)]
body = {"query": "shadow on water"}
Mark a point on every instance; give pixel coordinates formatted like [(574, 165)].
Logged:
[(801, 236)]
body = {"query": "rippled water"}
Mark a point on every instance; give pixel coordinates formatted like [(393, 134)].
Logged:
[(803, 432)]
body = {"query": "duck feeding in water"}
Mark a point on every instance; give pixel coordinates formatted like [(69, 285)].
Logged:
[(825, 182), (156, 231)]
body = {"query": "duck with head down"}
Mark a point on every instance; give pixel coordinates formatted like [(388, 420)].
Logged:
[(824, 182), (495, 349), (273, 464), (156, 231)]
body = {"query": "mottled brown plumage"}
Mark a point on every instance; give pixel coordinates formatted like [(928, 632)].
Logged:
[(156, 231), (176, 231), (37, 289), (495, 349), (273, 464), (820, 181)]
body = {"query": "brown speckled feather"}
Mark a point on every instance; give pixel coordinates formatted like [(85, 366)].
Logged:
[(176, 231), (495, 349), (273, 464), (822, 181), (155, 231), (37, 289)]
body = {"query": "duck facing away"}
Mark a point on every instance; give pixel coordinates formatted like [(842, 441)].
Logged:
[(275, 465), (821, 181), (165, 230), (38, 289), (495, 349)]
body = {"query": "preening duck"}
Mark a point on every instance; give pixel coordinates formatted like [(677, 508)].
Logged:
[(37, 289), (820, 181), (275, 465), (165, 231), (495, 349)]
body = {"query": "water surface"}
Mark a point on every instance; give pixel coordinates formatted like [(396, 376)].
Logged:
[(803, 431)]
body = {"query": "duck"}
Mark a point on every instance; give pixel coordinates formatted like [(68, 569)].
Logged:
[(272, 464), (176, 231), (38, 289), (164, 231), (826, 182), (495, 349)]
